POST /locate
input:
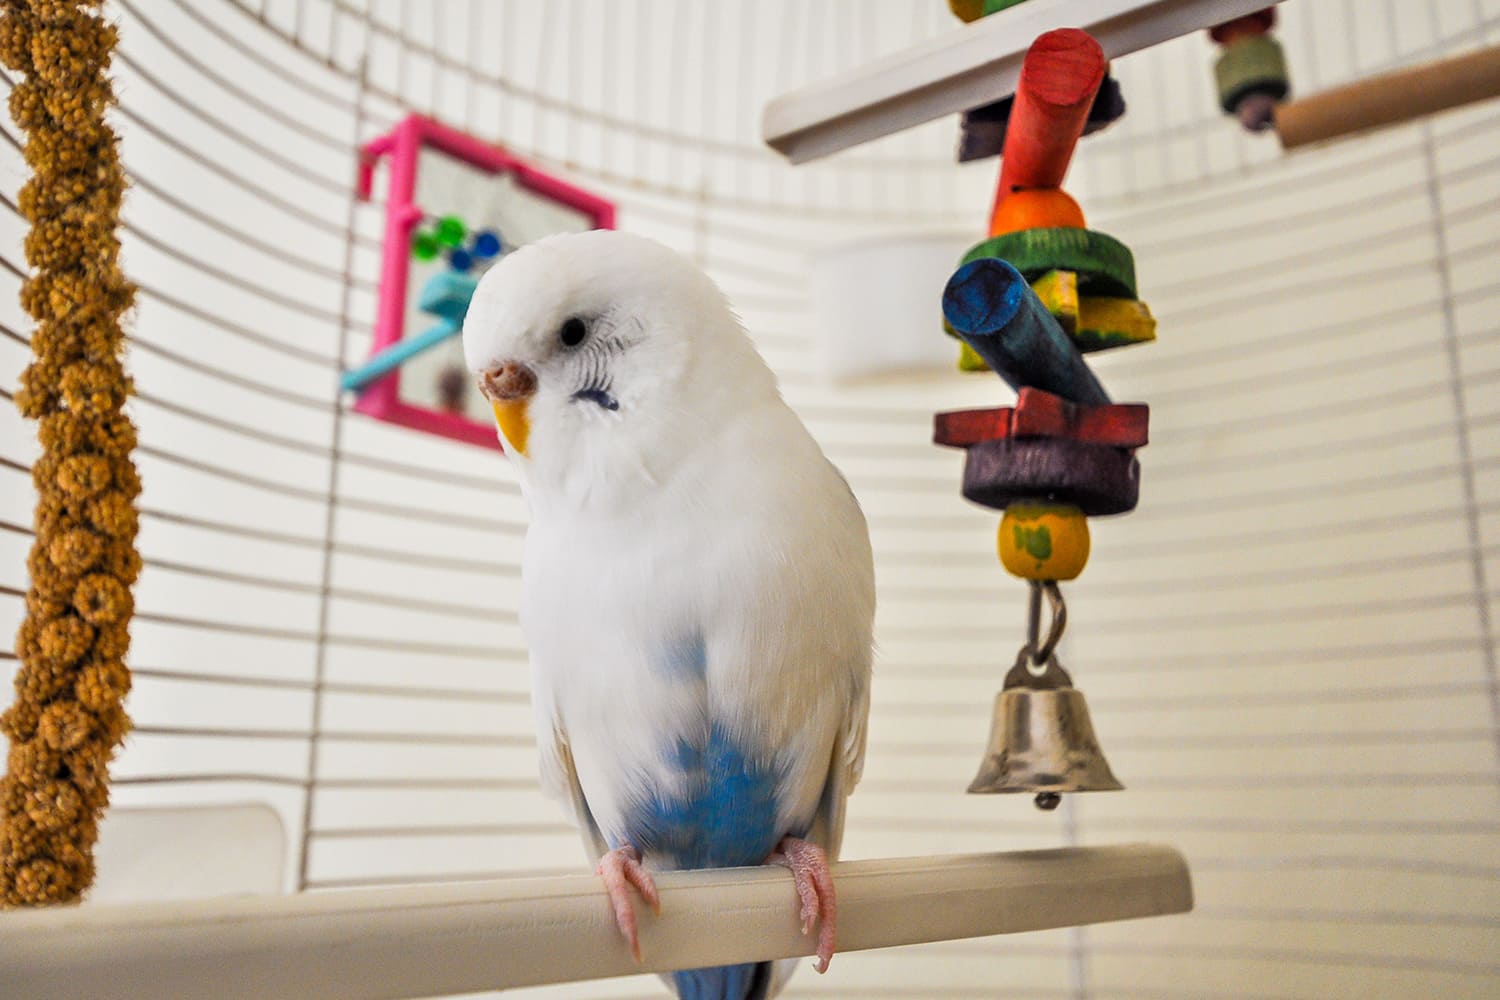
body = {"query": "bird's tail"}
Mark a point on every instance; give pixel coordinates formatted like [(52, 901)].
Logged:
[(725, 982)]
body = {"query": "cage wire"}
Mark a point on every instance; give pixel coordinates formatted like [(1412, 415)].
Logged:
[(1288, 649)]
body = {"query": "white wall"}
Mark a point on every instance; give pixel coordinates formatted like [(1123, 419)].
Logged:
[(1287, 648)]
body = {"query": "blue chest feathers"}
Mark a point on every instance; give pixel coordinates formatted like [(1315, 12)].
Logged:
[(721, 812)]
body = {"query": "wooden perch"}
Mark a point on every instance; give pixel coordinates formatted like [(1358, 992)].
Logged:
[(384, 944), (1390, 98)]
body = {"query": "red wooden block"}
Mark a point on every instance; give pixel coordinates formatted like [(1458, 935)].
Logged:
[(1059, 78), (1042, 414), (962, 428), (1258, 23)]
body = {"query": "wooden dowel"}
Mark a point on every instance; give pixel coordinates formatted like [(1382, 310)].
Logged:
[(1061, 74), (990, 305), (1390, 98), (385, 944)]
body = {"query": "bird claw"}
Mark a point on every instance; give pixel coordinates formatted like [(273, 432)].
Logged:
[(622, 870), (809, 867)]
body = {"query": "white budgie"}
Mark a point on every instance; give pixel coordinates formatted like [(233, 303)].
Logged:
[(698, 589)]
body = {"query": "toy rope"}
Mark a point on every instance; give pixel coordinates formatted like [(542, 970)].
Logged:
[(68, 715)]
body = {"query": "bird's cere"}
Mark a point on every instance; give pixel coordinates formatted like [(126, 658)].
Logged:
[(509, 387)]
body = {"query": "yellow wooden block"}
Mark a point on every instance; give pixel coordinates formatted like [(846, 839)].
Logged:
[(1107, 322), (1043, 541), (968, 361), (967, 10), (1058, 291)]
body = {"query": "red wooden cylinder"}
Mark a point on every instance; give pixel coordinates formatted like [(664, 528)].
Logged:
[(1059, 77), (1248, 26)]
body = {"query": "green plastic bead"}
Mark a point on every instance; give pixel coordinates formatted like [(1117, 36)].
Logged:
[(451, 231), (424, 246)]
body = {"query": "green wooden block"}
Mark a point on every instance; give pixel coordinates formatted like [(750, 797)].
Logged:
[(1254, 65), (1103, 264), (994, 6)]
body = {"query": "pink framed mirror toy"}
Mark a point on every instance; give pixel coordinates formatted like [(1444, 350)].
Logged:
[(455, 205)]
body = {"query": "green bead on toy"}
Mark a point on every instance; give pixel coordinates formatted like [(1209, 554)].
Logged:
[(451, 231), (1254, 65), (424, 246)]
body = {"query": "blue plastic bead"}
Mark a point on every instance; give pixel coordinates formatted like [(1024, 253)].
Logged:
[(459, 260), (486, 244)]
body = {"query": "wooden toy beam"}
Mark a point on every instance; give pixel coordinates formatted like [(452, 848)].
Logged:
[(1390, 98), (383, 944), (972, 65)]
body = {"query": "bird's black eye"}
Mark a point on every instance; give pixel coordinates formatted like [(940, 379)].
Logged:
[(572, 333)]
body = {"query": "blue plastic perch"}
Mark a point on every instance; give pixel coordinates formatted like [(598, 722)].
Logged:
[(445, 296), (994, 310), (397, 354)]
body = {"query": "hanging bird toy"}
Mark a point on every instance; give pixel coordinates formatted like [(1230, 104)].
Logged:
[(1027, 303)]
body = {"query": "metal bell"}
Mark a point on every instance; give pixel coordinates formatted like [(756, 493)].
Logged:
[(1041, 739)]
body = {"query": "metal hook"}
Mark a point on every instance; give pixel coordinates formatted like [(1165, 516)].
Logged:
[(1043, 652)]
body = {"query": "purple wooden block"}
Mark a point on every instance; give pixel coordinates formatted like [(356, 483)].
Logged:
[(1098, 479)]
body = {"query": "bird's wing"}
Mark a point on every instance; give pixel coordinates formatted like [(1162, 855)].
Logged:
[(844, 772), (560, 781)]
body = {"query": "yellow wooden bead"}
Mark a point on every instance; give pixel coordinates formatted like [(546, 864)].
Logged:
[(1044, 541), (967, 11)]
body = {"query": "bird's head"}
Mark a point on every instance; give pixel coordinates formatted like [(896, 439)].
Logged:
[(603, 355)]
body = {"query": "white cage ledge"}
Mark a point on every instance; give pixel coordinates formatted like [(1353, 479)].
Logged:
[(972, 65), (385, 944)]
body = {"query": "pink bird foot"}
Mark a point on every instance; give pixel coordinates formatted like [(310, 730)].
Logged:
[(809, 867), (621, 870)]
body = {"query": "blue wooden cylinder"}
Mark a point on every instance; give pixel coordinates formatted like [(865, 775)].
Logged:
[(994, 310)]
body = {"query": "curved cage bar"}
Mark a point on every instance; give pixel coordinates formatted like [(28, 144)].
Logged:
[(1289, 648)]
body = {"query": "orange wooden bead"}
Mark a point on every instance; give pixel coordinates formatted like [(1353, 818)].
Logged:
[(1036, 208)]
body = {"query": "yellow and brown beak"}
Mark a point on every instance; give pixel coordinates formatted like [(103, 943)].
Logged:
[(509, 387)]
